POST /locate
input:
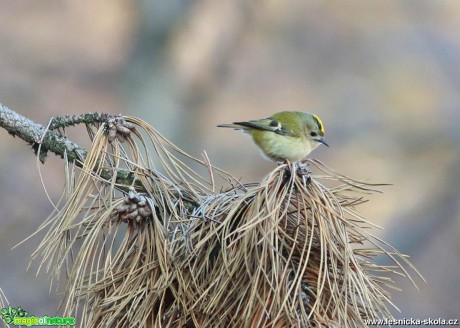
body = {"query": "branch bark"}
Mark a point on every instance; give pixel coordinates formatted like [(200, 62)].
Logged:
[(36, 134)]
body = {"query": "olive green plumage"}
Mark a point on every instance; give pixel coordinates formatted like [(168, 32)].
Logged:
[(284, 136)]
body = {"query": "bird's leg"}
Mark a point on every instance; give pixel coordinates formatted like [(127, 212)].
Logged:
[(303, 171), (289, 170)]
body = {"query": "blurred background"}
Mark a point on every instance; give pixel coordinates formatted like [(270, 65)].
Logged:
[(384, 76)]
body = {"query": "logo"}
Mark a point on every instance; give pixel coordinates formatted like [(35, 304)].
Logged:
[(19, 317)]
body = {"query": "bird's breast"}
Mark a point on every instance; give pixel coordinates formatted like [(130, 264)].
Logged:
[(278, 147)]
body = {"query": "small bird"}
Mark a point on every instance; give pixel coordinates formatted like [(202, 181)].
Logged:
[(284, 136)]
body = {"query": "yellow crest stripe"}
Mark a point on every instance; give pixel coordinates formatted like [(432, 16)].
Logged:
[(320, 123)]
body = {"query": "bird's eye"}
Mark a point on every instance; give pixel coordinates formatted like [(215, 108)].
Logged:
[(313, 133)]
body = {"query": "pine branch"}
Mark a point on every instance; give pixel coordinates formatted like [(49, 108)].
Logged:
[(287, 251), (36, 134)]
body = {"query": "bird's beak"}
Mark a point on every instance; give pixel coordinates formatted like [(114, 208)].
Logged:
[(321, 140)]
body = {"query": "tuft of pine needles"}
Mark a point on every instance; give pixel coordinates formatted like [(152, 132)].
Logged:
[(146, 241)]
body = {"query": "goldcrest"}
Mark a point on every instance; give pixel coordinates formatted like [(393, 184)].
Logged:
[(284, 136)]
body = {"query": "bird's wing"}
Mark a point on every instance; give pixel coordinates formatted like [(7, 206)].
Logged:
[(267, 124)]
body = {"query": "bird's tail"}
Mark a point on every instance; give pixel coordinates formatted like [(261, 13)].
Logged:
[(232, 126)]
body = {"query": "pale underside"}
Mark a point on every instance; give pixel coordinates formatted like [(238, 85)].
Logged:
[(283, 147)]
